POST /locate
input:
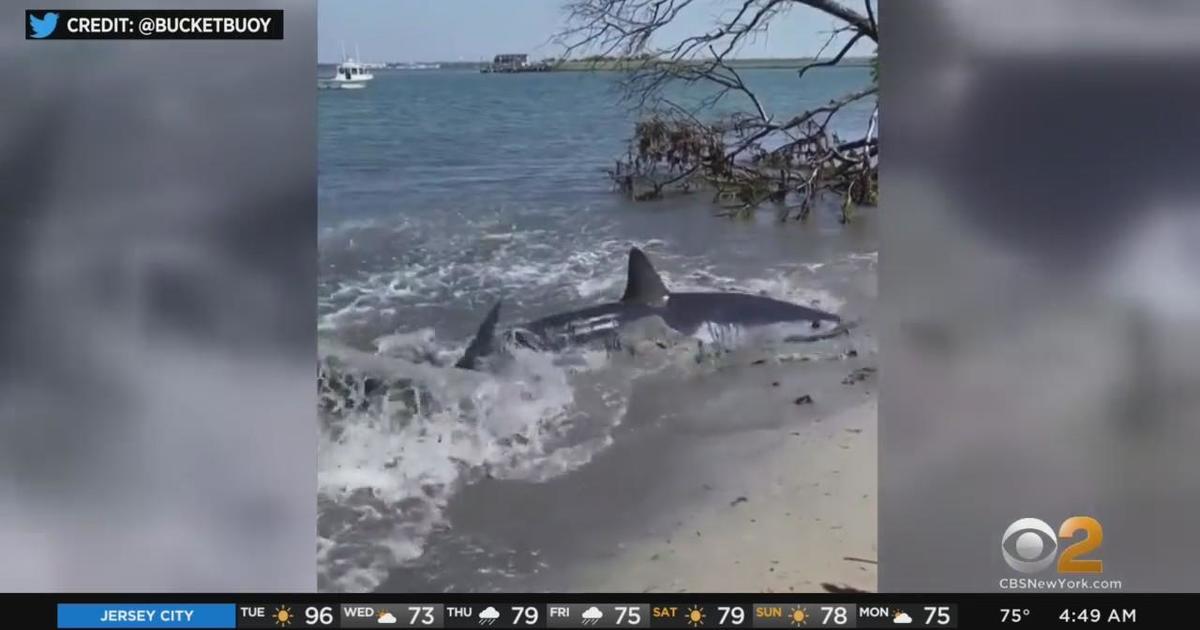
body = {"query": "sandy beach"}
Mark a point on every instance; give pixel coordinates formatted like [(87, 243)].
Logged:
[(802, 513), (763, 480)]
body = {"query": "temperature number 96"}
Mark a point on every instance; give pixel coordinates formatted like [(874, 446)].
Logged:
[(318, 616)]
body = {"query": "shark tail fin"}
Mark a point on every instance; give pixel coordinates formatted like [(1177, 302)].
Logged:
[(644, 284), (481, 345)]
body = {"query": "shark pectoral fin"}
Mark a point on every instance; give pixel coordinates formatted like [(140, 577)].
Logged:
[(481, 345), (643, 285)]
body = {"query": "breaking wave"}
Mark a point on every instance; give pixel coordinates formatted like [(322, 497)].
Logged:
[(401, 432), (398, 439)]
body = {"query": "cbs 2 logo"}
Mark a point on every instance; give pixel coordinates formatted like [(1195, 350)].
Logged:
[(1029, 545)]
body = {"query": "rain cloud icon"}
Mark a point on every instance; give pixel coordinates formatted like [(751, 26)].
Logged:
[(488, 616), (591, 616)]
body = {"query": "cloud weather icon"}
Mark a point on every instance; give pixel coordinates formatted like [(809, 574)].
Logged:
[(386, 617), (902, 617), (488, 616), (591, 616)]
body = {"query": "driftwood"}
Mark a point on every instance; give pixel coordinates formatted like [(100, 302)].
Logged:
[(745, 159)]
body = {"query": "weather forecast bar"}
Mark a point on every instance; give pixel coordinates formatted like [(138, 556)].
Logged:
[(599, 611)]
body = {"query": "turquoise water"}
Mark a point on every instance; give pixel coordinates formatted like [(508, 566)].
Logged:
[(431, 141), (443, 191), (460, 167)]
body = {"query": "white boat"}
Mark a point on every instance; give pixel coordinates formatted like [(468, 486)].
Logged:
[(350, 75)]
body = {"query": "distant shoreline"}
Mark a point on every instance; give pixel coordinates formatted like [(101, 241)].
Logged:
[(738, 64), (610, 65)]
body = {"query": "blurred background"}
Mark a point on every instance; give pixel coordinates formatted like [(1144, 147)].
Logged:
[(1039, 281), (1040, 286), (157, 274)]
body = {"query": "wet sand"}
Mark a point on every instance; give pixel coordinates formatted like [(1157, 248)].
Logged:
[(803, 513), (727, 481)]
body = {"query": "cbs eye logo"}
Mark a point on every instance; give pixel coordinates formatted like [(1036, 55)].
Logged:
[(1029, 545)]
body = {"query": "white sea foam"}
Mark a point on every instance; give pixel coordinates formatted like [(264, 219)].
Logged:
[(388, 468), (519, 266), (387, 471)]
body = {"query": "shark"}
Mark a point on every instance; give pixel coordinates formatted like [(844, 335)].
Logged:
[(646, 295)]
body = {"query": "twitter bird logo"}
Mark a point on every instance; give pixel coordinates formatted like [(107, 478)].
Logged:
[(44, 27)]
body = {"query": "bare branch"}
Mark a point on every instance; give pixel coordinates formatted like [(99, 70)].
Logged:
[(747, 157), (836, 59), (740, 86), (845, 14)]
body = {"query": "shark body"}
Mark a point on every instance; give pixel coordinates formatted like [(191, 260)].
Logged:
[(646, 296)]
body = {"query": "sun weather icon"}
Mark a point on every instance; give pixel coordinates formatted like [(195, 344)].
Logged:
[(695, 616), (799, 616), (283, 616)]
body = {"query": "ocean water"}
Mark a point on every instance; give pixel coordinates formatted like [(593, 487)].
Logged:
[(443, 191)]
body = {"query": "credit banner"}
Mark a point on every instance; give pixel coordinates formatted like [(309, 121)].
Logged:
[(152, 24)]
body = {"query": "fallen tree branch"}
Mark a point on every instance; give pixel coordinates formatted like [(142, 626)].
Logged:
[(748, 158)]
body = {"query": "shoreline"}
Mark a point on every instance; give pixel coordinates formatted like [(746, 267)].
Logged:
[(768, 486), (616, 65), (804, 515)]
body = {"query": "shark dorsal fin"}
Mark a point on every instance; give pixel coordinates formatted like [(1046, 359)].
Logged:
[(481, 344), (644, 284)]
